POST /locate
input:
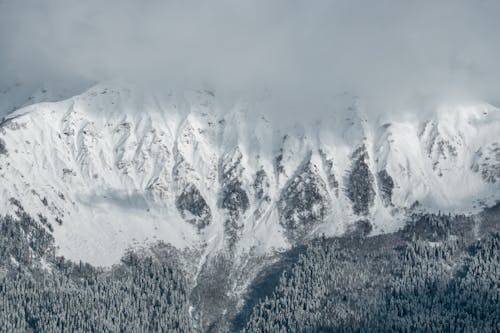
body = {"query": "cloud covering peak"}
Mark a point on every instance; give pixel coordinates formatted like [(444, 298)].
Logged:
[(393, 54)]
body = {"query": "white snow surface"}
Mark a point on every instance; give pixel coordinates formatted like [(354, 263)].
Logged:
[(19, 94), (109, 163)]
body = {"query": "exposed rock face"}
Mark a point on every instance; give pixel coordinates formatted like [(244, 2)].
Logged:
[(305, 201), (234, 199), (278, 163), (3, 149), (441, 148), (328, 166), (261, 185), (487, 163), (360, 183), (193, 207), (386, 186)]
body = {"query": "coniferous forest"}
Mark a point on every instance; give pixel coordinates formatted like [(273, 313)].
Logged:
[(441, 273)]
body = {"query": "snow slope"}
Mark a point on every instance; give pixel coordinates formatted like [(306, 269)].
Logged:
[(20, 94), (121, 166)]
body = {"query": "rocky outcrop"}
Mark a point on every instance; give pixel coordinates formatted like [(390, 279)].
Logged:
[(386, 186), (261, 187), (360, 183), (487, 163), (441, 148), (234, 199), (305, 200), (328, 167), (193, 207), (3, 148)]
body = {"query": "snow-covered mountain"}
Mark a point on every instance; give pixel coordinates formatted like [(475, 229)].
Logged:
[(120, 166), (19, 94)]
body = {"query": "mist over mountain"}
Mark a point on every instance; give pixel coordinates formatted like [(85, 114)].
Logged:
[(394, 55), (284, 166)]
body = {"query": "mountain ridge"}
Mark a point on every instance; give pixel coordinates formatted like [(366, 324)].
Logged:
[(118, 167)]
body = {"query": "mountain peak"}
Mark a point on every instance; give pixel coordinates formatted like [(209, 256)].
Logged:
[(122, 166)]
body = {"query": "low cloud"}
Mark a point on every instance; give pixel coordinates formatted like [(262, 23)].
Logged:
[(392, 54)]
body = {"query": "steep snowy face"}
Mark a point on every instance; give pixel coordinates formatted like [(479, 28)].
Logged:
[(487, 162), (119, 167)]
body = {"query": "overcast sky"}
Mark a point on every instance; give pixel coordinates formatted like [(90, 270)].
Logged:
[(390, 53)]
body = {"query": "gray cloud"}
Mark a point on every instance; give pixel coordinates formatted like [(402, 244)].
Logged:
[(391, 53)]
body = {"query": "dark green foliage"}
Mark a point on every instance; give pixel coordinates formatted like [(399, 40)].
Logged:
[(440, 274), (139, 295), (385, 284), (23, 241), (211, 294), (143, 297), (431, 226)]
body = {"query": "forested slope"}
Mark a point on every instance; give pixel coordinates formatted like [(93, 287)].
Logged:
[(40, 292), (431, 277), (440, 274)]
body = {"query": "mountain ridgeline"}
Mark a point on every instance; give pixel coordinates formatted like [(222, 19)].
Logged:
[(198, 173)]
